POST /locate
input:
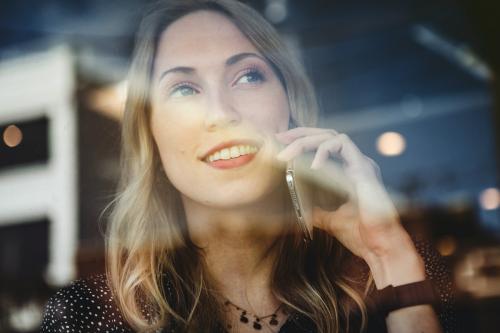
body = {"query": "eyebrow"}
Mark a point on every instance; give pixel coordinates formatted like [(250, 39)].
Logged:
[(183, 69), (240, 56), (229, 62)]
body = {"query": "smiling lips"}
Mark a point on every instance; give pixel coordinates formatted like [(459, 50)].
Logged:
[(231, 154)]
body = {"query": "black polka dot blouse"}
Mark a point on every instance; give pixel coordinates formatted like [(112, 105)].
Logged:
[(87, 305)]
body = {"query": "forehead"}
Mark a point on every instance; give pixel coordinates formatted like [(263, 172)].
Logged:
[(200, 39)]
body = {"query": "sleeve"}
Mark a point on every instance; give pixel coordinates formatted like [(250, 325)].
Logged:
[(438, 271), (83, 306)]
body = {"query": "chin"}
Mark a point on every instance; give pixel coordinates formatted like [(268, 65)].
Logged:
[(237, 193)]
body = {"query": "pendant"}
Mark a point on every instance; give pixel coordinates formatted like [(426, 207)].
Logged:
[(243, 319), (256, 325)]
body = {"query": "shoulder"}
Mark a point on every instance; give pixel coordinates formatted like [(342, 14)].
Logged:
[(86, 305)]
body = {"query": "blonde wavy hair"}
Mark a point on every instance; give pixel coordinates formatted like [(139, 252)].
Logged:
[(147, 243)]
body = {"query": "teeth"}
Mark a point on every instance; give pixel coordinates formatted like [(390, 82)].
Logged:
[(232, 152), (216, 156), (225, 154)]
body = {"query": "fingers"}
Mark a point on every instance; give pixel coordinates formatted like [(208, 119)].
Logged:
[(325, 150), (298, 132), (349, 152), (343, 146), (301, 145), (328, 143), (302, 139)]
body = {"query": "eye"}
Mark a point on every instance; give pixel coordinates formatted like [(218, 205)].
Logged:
[(183, 89), (251, 76)]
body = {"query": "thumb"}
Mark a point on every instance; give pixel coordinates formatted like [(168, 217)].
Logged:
[(334, 222)]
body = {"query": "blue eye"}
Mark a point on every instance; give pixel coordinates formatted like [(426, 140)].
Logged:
[(183, 90), (252, 76)]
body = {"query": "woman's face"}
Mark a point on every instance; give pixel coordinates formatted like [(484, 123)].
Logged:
[(215, 97)]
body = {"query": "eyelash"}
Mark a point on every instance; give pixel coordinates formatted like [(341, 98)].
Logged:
[(251, 70), (179, 85)]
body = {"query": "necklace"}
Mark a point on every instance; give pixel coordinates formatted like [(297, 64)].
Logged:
[(257, 321)]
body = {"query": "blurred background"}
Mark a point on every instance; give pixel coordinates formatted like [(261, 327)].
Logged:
[(414, 83)]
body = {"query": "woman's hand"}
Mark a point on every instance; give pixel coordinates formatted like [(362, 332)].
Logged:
[(368, 225)]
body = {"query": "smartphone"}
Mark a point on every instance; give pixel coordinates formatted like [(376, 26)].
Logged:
[(301, 203), (327, 188)]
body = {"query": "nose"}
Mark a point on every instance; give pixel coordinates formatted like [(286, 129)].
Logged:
[(221, 112)]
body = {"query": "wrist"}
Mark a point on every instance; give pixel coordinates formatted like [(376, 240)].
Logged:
[(400, 266), (392, 298)]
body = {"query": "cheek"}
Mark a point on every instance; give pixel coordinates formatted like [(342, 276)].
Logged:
[(175, 136), (267, 111)]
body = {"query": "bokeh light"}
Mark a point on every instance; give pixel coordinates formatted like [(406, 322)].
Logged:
[(12, 136), (446, 246), (490, 198), (391, 144)]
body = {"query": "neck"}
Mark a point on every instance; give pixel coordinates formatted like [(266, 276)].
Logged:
[(239, 249)]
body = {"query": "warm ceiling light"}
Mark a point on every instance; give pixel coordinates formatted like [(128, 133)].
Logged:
[(109, 100), (12, 136), (391, 144)]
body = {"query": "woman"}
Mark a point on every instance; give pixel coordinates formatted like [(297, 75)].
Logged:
[(201, 237)]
